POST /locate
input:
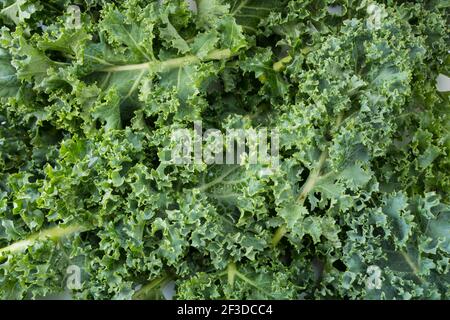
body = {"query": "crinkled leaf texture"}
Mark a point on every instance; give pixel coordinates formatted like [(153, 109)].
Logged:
[(358, 207)]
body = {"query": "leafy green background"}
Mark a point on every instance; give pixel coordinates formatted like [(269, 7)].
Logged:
[(86, 117)]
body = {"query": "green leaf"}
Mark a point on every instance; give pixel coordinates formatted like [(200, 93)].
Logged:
[(9, 85), (19, 11), (204, 44), (249, 13)]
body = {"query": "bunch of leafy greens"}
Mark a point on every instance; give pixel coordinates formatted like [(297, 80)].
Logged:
[(91, 91)]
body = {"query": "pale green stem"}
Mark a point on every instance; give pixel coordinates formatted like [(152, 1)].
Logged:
[(313, 177), (412, 265), (279, 234), (231, 273), (144, 292), (281, 64), (53, 233), (307, 187), (167, 65)]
